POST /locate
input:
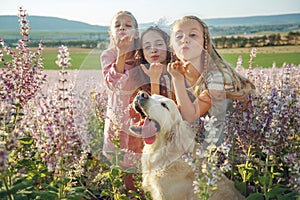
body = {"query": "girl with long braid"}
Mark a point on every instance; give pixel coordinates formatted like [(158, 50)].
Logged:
[(203, 82)]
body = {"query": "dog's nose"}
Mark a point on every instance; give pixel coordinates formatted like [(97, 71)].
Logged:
[(143, 95)]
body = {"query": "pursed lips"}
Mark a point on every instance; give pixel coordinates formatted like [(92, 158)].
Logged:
[(154, 57), (185, 48), (122, 33)]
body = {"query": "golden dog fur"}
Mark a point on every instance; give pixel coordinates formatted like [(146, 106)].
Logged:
[(165, 173)]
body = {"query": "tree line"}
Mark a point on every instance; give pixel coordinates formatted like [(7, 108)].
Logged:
[(240, 41), (292, 38)]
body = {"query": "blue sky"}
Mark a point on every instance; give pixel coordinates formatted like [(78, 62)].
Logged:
[(100, 12)]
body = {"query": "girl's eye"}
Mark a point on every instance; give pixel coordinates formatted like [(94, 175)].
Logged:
[(179, 36), (128, 25), (192, 34), (147, 47)]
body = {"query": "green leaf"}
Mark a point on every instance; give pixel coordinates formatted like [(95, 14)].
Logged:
[(75, 196), (117, 182), (276, 191), (46, 195), (26, 140), (291, 196), (3, 193), (115, 171), (106, 193), (265, 179), (20, 197), (256, 196), (21, 186), (241, 186), (49, 187), (79, 188)]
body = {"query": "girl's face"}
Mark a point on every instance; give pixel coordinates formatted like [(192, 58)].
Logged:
[(123, 26), (187, 40), (154, 47)]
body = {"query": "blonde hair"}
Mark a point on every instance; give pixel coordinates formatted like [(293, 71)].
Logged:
[(136, 41), (213, 61)]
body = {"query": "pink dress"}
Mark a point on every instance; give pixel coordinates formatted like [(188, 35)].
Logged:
[(121, 89)]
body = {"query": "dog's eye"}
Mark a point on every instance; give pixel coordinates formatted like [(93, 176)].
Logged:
[(164, 105)]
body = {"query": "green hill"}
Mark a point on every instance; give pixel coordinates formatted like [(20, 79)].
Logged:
[(256, 20), (40, 23), (54, 28)]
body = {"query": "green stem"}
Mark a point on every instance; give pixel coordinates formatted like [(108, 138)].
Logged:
[(232, 158), (246, 167), (88, 191), (246, 164), (265, 186), (10, 196), (61, 176)]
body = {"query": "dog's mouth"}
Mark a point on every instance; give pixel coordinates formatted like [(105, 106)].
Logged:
[(146, 127)]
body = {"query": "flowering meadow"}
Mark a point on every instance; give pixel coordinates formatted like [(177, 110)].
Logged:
[(51, 133)]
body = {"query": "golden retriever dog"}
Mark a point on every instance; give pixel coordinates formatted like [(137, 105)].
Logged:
[(167, 138)]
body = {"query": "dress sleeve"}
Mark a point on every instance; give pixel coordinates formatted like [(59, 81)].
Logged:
[(126, 82), (217, 84)]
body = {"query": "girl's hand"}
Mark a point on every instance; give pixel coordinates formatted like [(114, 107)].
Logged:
[(124, 44), (177, 69), (154, 71)]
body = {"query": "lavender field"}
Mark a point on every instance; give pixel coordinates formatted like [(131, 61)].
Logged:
[(51, 133)]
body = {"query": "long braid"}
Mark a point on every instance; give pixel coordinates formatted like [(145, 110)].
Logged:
[(242, 87)]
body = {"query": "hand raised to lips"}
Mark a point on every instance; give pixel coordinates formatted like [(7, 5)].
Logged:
[(178, 67), (154, 71)]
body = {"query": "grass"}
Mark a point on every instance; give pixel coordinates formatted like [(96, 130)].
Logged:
[(264, 60), (90, 58), (265, 56), (82, 58)]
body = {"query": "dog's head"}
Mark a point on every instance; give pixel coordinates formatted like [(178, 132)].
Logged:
[(158, 114)]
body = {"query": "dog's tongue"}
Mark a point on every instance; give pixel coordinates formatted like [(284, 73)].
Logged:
[(148, 131)]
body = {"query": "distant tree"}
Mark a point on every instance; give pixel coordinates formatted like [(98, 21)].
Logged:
[(272, 39)]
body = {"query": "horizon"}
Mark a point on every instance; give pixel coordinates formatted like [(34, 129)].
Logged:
[(156, 20), (97, 12)]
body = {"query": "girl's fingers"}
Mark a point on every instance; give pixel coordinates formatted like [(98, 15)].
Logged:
[(186, 65), (176, 66)]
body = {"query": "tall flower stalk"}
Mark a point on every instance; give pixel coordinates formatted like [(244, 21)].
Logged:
[(21, 79), (59, 140)]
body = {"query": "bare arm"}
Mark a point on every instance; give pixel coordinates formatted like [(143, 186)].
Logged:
[(190, 111), (120, 63), (123, 46), (154, 73)]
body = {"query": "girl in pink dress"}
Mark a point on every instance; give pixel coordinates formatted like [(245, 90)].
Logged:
[(123, 78)]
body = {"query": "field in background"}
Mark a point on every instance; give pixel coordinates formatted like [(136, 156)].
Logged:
[(265, 56), (81, 58), (87, 59)]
